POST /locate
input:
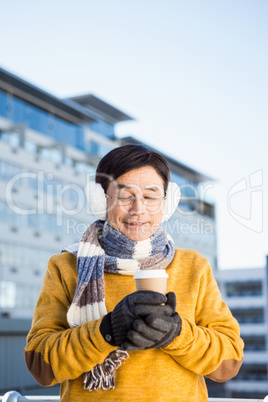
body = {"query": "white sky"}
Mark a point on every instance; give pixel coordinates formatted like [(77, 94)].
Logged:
[(193, 74)]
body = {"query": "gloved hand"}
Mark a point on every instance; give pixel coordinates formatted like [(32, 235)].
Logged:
[(155, 330), (115, 325)]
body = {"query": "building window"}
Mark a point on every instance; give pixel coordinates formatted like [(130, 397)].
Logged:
[(250, 315), (252, 372), (188, 188), (25, 256), (11, 138), (8, 215), (254, 342), (8, 170), (36, 118), (93, 148), (103, 128), (250, 288), (30, 146), (3, 104), (7, 294), (26, 296)]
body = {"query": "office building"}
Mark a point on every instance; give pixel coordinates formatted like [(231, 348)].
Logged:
[(246, 293)]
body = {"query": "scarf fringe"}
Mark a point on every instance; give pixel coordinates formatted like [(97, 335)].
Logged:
[(103, 375)]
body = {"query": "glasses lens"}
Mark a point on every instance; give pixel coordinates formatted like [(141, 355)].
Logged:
[(152, 201), (125, 201)]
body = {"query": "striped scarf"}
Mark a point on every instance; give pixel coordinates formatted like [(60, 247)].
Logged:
[(103, 248)]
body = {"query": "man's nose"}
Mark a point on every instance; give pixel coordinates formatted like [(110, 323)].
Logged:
[(137, 207)]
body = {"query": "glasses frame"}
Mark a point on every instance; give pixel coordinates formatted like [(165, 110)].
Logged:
[(133, 199)]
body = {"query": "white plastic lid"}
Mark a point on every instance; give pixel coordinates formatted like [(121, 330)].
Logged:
[(150, 273)]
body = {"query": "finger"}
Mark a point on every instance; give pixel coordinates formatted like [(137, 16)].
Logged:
[(143, 310), (147, 332), (171, 300), (129, 346), (148, 297), (139, 340), (163, 324)]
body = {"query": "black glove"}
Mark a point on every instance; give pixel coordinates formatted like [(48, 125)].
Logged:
[(115, 325), (154, 331)]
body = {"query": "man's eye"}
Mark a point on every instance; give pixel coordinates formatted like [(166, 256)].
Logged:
[(124, 197), (151, 196)]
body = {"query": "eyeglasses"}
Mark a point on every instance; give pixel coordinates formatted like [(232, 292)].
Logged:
[(147, 201)]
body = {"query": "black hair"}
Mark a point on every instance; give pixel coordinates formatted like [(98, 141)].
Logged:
[(126, 158)]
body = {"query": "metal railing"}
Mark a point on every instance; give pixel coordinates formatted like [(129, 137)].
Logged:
[(14, 396)]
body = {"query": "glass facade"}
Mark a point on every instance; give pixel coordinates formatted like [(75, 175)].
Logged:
[(35, 118), (19, 112), (39, 120), (54, 206), (63, 131), (13, 295), (25, 257), (21, 260), (103, 128), (8, 170), (3, 104), (188, 188)]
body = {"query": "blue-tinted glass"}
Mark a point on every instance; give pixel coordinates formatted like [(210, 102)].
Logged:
[(11, 138), (3, 104), (93, 148), (70, 133), (42, 121), (101, 127), (8, 170), (187, 187), (80, 138), (35, 118)]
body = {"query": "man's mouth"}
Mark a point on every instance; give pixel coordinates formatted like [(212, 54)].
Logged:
[(133, 224)]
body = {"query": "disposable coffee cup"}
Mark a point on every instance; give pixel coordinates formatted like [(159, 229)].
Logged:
[(155, 279)]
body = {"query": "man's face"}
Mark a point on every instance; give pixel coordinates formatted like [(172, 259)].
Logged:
[(136, 221)]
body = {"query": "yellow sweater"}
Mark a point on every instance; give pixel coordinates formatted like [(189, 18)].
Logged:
[(209, 342)]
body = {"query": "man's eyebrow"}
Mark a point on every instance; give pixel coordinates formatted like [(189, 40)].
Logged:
[(125, 186), (120, 186), (152, 188)]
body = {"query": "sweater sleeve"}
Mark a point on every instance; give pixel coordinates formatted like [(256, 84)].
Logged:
[(210, 344), (54, 352)]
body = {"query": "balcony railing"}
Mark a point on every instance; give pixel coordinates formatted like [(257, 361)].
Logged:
[(14, 396)]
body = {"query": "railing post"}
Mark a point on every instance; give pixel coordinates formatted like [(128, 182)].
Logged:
[(11, 396)]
